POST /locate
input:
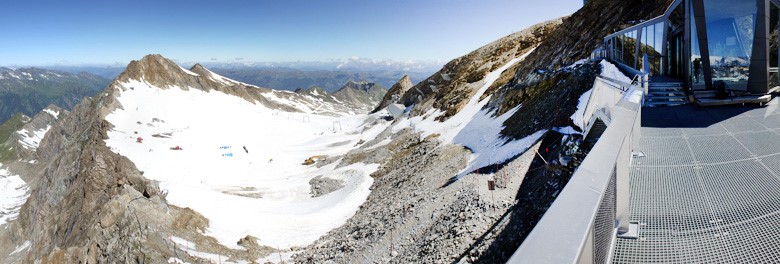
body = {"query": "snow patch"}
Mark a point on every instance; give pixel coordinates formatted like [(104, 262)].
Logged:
[(188, 71), (189, 247), (13, 194), (225, 80), (579, 116), (31, 139), (278, 257), (566, 130), (576, 63), (609, 70), (55, 114), (21, 247), (176, 261)]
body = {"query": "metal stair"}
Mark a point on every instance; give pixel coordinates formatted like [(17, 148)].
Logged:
[(668, 93)]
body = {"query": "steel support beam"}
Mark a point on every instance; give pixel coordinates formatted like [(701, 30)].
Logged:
[(758, 81)]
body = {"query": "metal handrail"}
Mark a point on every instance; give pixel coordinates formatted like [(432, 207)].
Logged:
[(565, 234)]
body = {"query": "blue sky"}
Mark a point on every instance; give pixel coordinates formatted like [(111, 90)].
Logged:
[(108, 32)]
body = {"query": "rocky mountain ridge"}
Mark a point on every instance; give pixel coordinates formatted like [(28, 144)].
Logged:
[(366, 95), (449, 89), (393, 96), (30, 90), (361, 96)]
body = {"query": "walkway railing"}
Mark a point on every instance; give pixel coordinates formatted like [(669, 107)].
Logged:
[(582, 224)]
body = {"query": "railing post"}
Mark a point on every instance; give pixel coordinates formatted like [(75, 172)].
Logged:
[(646, 83), (627, 229), (622, 170)]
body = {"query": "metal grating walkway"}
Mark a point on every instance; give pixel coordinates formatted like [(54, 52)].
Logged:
[(708, 190)]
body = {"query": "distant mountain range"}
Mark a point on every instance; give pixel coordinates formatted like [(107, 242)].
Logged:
[(30, 90), (350, 64), (330, 80), (329, 75), (363, 96)]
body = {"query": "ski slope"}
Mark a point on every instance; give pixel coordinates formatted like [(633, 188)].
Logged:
[(264, 191)]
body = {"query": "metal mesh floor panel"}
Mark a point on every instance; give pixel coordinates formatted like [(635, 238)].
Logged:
[(723, 208), (668, 198), (705, 131), (773, 163), (665, 151), (652, 132), (772, 121), (713, 149), (741, 124), (760, 143), (741, 191)]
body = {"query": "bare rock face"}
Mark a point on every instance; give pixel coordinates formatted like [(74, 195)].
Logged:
[(361, 95), (322, 185), (163, 73), (393, 95), (248, 242), (315, 91), (450, 89), (110, 214)]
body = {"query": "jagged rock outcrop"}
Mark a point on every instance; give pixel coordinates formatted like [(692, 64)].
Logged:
[(393, 96), (450, 89), (315, 91), (362, 95)]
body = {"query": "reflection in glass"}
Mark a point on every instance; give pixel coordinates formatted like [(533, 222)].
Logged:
[(618, 53), (659, 38), (642, 49), (730, 30), (675, 45), (697, 68), (629, 49)]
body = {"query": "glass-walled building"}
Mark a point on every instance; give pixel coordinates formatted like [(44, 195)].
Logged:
[(707, 44)]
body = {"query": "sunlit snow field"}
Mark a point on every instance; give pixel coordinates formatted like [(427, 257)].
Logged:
[(264, 193), (13, 193)]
